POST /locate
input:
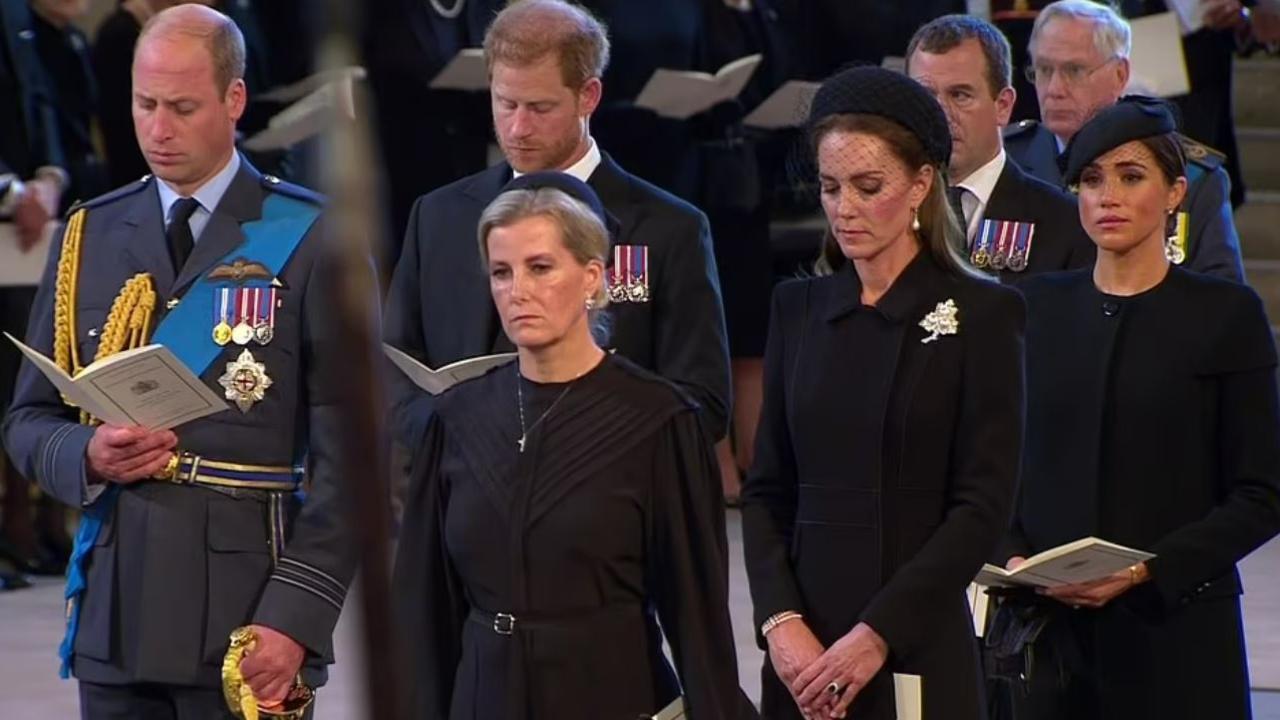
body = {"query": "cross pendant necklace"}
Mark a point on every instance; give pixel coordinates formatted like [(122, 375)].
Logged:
[(524, 432)]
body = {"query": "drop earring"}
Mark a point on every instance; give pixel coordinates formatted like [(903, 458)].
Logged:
[(915, 219)]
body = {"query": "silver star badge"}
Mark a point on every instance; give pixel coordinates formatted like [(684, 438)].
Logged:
[(246, 381)]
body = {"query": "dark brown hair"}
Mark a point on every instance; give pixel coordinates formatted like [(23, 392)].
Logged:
[(940, 232), (945, 33), (1167, 150)]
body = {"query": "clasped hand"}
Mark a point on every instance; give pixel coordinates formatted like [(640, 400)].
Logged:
[(126, 455), (809, 671)]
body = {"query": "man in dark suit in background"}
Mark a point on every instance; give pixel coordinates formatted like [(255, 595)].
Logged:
[(1080, 60), (965, 62), (32, 189), (545, 60), (428, 137)]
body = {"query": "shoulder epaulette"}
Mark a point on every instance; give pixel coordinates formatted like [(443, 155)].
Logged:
[(1201, 154), (275, 184), (120, 192), (1022, 127)]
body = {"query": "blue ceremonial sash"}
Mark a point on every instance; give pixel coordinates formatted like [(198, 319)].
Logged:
[(270, 240)]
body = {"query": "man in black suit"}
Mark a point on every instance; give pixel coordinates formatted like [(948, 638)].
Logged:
[(1080, 64), (545, 60), (964, 61)]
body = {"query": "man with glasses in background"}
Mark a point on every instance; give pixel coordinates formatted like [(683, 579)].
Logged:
[(1080, 65)]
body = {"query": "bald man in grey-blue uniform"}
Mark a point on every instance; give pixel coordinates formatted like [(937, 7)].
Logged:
[(1080, 64), (191, 533)]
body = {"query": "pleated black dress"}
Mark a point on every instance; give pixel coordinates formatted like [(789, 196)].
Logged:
[(530, 585)]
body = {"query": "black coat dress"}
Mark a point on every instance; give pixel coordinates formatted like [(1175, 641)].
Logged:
[(885, 472), (608, 521), (1154, 424)]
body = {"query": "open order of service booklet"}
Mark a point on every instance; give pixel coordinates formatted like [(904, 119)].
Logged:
[(441, 379), (681, 94), (1084, 560), (147, 386)]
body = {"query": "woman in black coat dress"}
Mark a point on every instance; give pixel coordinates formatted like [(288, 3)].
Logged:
[(561, 505), (889, 443), (1153, 424)]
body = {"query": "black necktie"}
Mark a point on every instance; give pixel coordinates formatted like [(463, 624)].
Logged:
[(179, 234)]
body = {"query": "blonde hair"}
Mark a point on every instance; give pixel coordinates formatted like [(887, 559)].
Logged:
[(582, 232), (529, 30)]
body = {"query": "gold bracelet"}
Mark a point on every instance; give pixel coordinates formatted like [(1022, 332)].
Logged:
[(777, 619)]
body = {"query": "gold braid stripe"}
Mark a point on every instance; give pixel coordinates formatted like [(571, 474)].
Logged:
[(128, 324), (130, 317), (65, 351)]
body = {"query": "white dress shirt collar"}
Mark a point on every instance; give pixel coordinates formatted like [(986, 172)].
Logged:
[(581, 169), (208, 195)]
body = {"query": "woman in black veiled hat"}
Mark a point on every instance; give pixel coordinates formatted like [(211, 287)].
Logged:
[(888, 448), (1154, 424), (562, 505)]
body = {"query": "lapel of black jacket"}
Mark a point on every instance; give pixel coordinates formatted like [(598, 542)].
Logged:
[(241, 203), (613, 185), (141, 234), (1007, 199)]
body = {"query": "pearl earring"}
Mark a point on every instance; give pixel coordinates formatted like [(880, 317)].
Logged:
[(915, 219), (591, 303)]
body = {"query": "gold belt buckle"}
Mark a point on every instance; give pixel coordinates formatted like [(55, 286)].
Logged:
[(172, 471), (240, 699)]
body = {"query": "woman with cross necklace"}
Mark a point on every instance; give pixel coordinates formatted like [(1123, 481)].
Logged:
[(563, 504)]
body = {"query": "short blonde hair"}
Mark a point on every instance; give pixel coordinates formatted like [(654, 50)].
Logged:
[(582, 232), (526, 31)]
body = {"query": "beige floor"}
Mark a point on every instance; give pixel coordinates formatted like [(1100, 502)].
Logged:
[(31, 624)]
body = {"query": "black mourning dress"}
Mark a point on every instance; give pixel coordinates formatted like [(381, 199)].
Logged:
[(530, 585), (1153, 423), (884, 474)]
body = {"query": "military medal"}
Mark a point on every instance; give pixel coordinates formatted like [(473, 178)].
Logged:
[(1175, 248), (1000, 257), (222, 328), (981, 255), (618, 274), (264, 319), (1023, 232), (638, 282), (242, 333), (245, 381)]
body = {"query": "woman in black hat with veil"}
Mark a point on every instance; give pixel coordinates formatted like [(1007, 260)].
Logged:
[(1154, 425), (889, 444)]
